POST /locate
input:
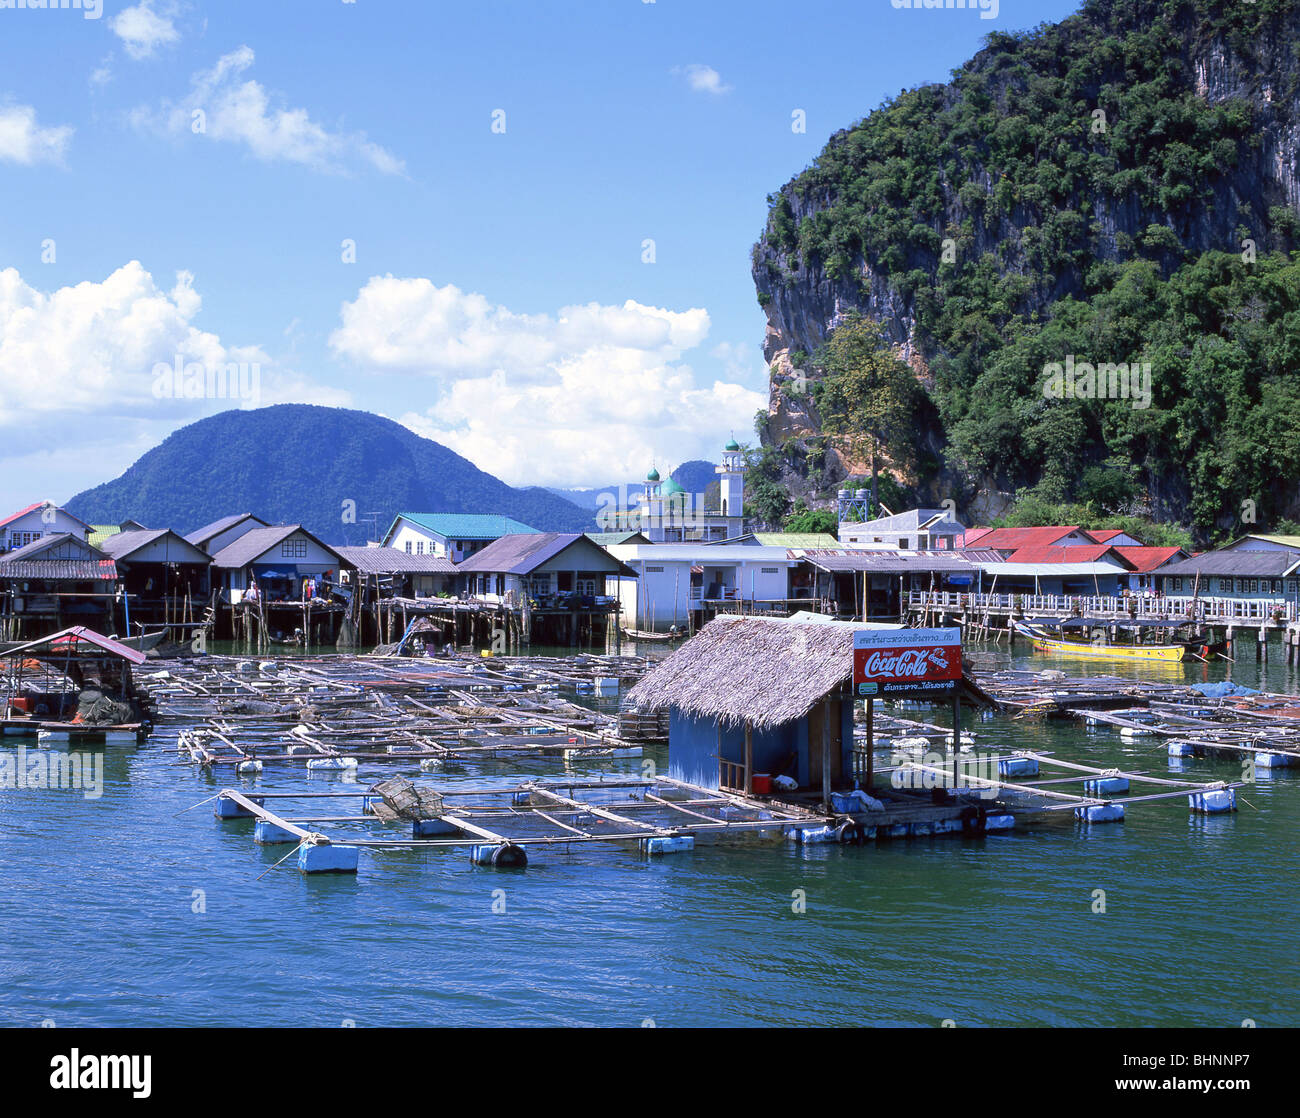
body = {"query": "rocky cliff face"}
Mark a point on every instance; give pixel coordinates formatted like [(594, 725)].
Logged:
[(1249, 74)]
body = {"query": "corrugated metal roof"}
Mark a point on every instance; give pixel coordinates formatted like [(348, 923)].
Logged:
[(1146, 559), (76, 635), (1012, 539), (1244, 564), (914, 520), (889, 561), (1053, 570), (804, 540), (467, 525), (521, 553), (37, 548), (59, 570), (208, 531), (122, 545), (257, 542), (1083, 553), (389, 560)]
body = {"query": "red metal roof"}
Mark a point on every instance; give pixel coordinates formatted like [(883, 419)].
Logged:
[(1103, 535), (1146, 559), (1012, 539), (76, 635), (22, 512), (1075, 553)]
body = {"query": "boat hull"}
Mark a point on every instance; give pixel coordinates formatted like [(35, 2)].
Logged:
[(1168, 652)]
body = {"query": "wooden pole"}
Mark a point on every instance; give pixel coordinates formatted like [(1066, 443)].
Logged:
[(871, 742), (749, 759), (826, 754)]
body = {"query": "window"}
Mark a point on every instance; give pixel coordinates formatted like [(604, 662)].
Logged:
[(1177, 585), (1293, 586), (1254, 586), (419, 547), (770, 570), (1225, 586), (293, 549), (408, 547), (1277, 586), (654, 570)]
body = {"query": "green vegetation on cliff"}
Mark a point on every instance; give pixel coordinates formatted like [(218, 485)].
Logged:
[(1111, 189)]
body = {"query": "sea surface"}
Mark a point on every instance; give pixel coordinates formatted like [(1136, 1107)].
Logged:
[(138, 908)]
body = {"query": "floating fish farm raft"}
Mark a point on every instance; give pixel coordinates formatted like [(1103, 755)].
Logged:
[(1200, 720)]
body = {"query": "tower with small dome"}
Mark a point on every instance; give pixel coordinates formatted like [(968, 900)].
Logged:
[(669, 514)]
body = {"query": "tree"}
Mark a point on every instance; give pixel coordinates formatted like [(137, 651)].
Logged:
[(805, 519), (868, 396)]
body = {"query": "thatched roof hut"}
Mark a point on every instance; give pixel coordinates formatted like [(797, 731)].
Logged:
[(764, 671)]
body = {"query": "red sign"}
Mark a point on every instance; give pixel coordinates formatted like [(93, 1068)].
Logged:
[(891, 661)]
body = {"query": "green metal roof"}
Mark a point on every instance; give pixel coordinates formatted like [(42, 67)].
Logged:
[(733, 445), (797, 539), (653, 475), (466, 525), (612, 539), (670, 488), (100, 532)]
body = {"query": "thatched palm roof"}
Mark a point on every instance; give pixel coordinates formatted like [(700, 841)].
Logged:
[(760, 670)]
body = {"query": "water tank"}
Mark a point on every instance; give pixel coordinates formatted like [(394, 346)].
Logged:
[(846, 494), (863, 494)]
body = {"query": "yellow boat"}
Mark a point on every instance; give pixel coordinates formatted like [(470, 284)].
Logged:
[(1084, 649)]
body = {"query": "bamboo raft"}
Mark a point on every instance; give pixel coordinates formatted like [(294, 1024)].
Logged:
[(335, 712), (1259, 729)]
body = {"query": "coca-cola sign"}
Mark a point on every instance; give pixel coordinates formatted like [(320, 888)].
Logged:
[(890, 661)]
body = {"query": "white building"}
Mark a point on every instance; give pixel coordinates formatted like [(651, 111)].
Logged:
[(451, 535), (675, 580), (37, 521), (666, 513), (914, 530)]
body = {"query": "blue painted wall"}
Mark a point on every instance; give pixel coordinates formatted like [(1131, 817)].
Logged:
[(693, 748)]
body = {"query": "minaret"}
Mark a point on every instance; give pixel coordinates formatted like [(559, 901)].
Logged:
[(652, 507), (731, 482)]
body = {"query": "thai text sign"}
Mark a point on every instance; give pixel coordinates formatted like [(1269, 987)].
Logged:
[(898, 661)]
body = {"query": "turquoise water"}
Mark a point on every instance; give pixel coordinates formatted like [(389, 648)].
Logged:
[(97, 900)]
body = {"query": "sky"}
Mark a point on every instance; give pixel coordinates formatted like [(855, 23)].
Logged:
[(519, 227)]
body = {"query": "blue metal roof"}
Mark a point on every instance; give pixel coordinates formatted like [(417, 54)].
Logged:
[(466, 525)]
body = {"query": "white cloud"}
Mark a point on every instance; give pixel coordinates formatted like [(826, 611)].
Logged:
[(143, 30), (586, 395), (702, 79), (92, 349), (241, 112), (24, 141)]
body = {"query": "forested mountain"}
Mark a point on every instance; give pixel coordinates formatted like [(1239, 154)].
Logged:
[(296, 463), (1117, 189)]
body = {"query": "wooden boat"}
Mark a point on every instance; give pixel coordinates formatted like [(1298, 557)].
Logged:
[(1056, 643), (145, 642), (645, 635)]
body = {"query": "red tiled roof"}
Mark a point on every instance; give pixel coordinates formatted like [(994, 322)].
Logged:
[(1103, 535), (1075, 553), (1012, 539), (1146, 559)]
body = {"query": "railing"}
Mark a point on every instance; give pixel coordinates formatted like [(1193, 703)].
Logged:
[(729, 594), (733, 777), (1070, 605)]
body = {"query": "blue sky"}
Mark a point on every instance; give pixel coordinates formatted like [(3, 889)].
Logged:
[(499, 300)]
